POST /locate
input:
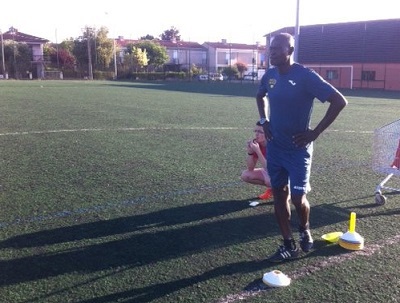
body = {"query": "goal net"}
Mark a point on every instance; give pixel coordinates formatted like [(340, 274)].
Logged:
[(53, 75)]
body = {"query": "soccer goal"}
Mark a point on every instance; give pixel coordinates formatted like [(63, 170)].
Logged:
[(53, 75), (343, 74)]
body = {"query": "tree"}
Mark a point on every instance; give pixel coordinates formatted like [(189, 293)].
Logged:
[(104, 49), (147, 37), (18, 58), (157, 54), (93, 50), (231, 71), (68, 45), (66, 59), (171, 34), (59, 56), (81, 49), (50, 53), (136, 59), (241, 68)]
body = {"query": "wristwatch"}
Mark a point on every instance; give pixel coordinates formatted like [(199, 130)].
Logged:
[(263, 120)]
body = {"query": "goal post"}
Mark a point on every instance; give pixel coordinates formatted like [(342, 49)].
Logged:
[(53, 75), (342, 75)]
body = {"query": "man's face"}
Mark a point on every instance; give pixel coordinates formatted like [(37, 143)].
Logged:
[(279, 52)]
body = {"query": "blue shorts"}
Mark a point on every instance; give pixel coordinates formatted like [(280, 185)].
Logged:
[(291, 167)]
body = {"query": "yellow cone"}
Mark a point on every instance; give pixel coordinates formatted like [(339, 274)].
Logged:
[(352, 223), (352, 240)]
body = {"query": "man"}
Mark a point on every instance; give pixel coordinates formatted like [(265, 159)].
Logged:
[(287, 92)]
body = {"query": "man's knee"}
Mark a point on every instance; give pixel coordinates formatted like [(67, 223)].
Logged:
[(281, 190), (299, 199), (281, 195)]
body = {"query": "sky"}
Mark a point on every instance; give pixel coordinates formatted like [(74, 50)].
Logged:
[(197, 21)]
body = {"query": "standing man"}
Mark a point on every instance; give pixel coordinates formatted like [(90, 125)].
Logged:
[(287, 93)]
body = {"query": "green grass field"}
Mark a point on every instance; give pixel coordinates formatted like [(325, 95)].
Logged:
[(130, 192)]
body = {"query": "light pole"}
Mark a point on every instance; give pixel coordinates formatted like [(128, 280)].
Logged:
[(2, 55), (230, 62), (190, 67), (297, 33), (178, 54), (253, 62), (89, 55), (58, 59), (115, 60), (114, 52), (13, 31)]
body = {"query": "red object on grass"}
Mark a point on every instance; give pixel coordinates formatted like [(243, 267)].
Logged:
[(266, 195), (396, 162)]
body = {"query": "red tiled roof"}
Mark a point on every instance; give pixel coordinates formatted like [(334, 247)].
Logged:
[(226, 45), (166, 43), (180, 44), (14, 34)]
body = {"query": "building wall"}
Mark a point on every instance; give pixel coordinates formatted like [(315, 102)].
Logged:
[(350, 76), (212, 59), (392, 77), (37, 60), (370, 47), (186, 56), (221, 58), (338, 75)]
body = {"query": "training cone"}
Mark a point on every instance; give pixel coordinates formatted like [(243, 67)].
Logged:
[(276, 278), (351, 239), (332, 237)]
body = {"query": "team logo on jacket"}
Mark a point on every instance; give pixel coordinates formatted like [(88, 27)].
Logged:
[(271, 83)]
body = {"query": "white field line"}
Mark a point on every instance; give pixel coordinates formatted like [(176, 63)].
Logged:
[(111, 205), (350, 131), (114, 205), (56, 131), (260, 289), (113, 129)]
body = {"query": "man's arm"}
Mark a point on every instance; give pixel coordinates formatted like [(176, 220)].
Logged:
[(262, 106), (337, 103)]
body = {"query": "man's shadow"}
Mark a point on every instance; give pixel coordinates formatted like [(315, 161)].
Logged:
[(137, 241)]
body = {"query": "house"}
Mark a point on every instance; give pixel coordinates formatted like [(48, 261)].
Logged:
[(223, 54), (363, 54), (36, 46), (182, 55), (209, 56)]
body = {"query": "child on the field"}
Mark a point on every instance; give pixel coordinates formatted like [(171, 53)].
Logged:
[(256, 153)]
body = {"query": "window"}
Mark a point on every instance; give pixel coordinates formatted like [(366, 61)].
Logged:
[(332, 74), (204, 58), (175, 58), (262, 59), (368, 75)]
